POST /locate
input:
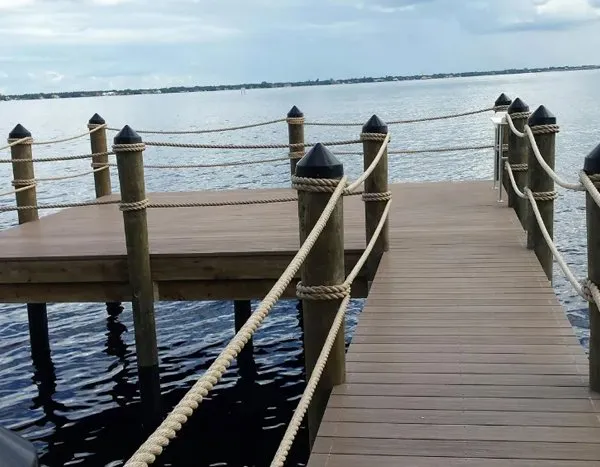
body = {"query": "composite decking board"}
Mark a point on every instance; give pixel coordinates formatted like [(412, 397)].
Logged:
[(462, 355)]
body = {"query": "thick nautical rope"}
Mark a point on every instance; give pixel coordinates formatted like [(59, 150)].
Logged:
[(169, 144), (373, 136), (198, 166), (520, 115), (519, 167), (70, 138), (162, 436), (295, 120), (27, 141), (296, 155), (58, 205), (545, 195), (134, 205), (316, 185), (376, 197), (545, 129), (198, 132), (133, 147), (25, 182), (500, 108), (58, 158), (322, 292)]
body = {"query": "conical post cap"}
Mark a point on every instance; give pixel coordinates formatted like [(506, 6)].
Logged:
[(591, 165), (19, 132), (503, 99), (295, 112), (127, 135), (518, 106), (97, 120), (319, 162), (541, 116), (375, 125)]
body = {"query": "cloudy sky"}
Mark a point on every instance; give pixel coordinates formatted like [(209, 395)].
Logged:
[(58, 45)]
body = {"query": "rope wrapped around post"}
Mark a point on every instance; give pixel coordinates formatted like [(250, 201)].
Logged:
[(295, 122), (518, 150)]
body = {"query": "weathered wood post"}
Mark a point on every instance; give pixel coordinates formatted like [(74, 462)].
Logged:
[(518, 150), (129, 150), (592, 168), (501, 105), (543, 126), (324, 266), (376, 194), (242, 310), (295, 121), (23, 174), (102, 182)]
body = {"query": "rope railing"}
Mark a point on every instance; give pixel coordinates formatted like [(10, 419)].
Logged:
[(199, 132), (162, 436), (423, 151), (57, 158), (169, 144), (294, 425)]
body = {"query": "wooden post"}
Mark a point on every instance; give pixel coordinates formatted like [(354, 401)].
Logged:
[(130, 165), (98, 143), (323, 266), (295, 121), (102, 183), (592, 167), (501, 105), (23, 173), (518, 151), (540, 182), (242, 311), (376, 184)]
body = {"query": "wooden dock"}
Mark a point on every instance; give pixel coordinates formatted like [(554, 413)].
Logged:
[(462, 356)]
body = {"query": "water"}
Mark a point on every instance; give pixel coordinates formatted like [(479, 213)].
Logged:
[(83, 409)]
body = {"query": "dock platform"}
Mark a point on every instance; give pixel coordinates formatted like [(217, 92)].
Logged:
[(462, 356)]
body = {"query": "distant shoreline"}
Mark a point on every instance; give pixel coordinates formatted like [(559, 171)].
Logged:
[(269, 85)]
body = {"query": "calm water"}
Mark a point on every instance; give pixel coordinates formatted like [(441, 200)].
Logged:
[(82, 409)]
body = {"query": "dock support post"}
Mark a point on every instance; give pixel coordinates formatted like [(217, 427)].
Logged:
[(592, 168), (501, 105), (324, 266), (242, 311), (376, 192), (129, 149), (102, 182), (518, 150), (295, 121), (37, 313), (542, 185)]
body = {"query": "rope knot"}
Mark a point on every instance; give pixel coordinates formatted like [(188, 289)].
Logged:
[(17, 141), (545, 195), (134, 206), (545, 129), (520, 115), (296, 154), (315, 185), (500, 108), (373, 197), (135, 147), (586, 290), (295, 120), (322, 292), (94, 126), (517, 167), (26, 182), (372, 136)]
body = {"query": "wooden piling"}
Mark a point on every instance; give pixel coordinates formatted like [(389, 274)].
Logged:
[(501, 105), (376, 191), (592, 168), (130, 164), (295, 121), (242, 310), (540, 182), (23, 173), (99, 147), (518, 151), (323, 266)]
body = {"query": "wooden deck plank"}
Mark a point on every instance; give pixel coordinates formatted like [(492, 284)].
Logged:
[(462, 356)]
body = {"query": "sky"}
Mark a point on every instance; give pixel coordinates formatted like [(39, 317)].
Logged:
[(64, 45)]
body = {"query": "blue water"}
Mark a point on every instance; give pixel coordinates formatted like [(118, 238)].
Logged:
[(82, 408)]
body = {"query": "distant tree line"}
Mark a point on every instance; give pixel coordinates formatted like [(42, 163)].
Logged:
[(267, 85)]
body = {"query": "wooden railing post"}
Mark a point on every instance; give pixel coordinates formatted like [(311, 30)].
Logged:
[(130, 164), (501, 105), (540, 182), (376, 192), (295, 121), (324, 266), (24, 175), (99, 146), (592, 167), (242, 310), (518, 150)]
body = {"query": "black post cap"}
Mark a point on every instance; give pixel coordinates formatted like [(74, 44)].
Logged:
[(503, 99), (541, 116), (518, 106), (319, 162), (97, 120), (375, 125), (591, 166), (127, 135), (295, 112), (16, 451), (19, 132)]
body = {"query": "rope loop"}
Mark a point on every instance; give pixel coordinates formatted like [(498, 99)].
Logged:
[(500, 108), (373, 136), (595, 178), (295, 120), (135, 147), (519, 167), (545, 129), (372, 197), (520, 115), (586, 290), (27, 182), (20, 141), (134, 206), (315, 185), (296, 154), (322, 292), (93, 126), (545, 195)]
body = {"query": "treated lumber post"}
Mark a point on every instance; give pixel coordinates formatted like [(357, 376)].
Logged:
[(324, 266), (376, 194), (518, 150), (592, 168), (501, 105), (541, 183), (102, 183), (37, 313), (295, 121), (130, 164), (242, 311)]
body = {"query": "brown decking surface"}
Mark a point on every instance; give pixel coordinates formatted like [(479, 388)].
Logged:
[(462, 356)]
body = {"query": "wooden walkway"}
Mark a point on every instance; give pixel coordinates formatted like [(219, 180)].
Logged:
[(462, 356)]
